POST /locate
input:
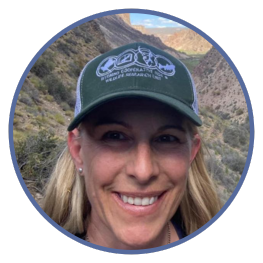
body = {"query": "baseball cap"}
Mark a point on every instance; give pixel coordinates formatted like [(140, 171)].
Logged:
[(135, 70)]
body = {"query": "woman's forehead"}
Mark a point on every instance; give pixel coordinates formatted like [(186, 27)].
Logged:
[(134, 110)]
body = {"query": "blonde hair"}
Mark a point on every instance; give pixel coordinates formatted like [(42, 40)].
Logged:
[(66, 202)]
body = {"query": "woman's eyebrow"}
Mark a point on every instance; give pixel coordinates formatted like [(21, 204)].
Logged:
[(170, 126), (108, 121)]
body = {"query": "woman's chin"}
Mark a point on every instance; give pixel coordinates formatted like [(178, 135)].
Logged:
[(139, 240), (134, 244)]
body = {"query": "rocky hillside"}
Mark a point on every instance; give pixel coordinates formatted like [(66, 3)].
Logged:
[(125, 18), (140, 28), (47, 97), (118, 33), (188, 41), (218, 87)]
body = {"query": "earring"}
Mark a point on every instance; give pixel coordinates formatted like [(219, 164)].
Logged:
[(80, 171)]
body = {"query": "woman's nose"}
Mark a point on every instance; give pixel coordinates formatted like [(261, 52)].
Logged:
[(143, 165)]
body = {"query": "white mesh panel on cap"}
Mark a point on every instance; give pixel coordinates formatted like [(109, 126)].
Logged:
[(78, 99), (195, 103)]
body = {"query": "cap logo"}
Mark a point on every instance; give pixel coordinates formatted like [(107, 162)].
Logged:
[(139, 63)]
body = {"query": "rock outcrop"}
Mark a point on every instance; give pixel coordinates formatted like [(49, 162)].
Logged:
[(218, 86), (119, 33)]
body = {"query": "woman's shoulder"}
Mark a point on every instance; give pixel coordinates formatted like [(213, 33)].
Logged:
[(179, 227), (81, 235)]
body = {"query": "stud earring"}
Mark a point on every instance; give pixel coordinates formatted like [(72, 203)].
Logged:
[(80, 171)]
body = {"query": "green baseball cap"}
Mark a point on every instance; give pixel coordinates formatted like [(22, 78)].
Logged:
[(135, 70)]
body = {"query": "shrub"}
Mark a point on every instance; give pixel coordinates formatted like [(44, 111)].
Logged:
[(37, 155), (71, 41), (209, 71), (18, 136), (245, 125), (236, 135), (81, 31), (102, 48), (35, 81), (66, 49), (32, 110), (49, 98), (216, 92), (217, 126), (223, 115), (74, 70), (19, 113), (214, 168), (15, 121), (57, 89), (64, 106), (239, 112), (31, 91), (230, 136), (42, 67), (234, 161), (218, 173), (59, 118), (69, 113), (23, 97)]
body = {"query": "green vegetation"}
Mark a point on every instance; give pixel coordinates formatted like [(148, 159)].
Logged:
[(66, 48), (192, 62), (216, 92), (236, 135), (18, 136), (59, 118), (58, 90), (239, 112), (44, 65), (234, 161), (36, 155), (192, 53), (227, 143)]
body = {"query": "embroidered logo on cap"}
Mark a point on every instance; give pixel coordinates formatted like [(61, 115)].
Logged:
[(140, 63)]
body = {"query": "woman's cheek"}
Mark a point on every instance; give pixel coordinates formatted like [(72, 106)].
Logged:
[(103, 166)]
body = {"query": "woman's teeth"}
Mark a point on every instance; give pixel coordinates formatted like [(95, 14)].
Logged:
[(138, 200)]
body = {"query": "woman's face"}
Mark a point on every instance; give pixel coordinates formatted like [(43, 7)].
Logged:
[(135, 155)]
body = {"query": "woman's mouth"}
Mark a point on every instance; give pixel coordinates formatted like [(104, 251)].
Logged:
[(139, 204), (139, 201)]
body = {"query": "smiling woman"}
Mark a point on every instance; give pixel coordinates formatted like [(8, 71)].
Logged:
[(133, 175)]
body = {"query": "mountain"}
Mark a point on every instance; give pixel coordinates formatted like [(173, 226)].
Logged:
[(125, 18), (188, 41), (218, 87), (118, 33), (163, 33)]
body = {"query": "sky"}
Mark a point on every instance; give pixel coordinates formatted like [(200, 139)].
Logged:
[(150, 21)]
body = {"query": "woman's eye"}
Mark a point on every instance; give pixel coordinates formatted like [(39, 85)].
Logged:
[(114, 136), (167, 138)]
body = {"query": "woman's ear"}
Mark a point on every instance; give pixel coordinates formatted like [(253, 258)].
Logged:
[(196, 144), (74, 145)]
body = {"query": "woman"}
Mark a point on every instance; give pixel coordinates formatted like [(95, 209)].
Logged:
[(133, 175)]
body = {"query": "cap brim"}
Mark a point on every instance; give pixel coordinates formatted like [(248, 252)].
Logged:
[(172, 102)]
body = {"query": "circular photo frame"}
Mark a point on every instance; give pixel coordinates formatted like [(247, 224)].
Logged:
[(105, 69)]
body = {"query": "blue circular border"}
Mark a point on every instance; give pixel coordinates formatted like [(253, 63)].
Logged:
[(121, 11)]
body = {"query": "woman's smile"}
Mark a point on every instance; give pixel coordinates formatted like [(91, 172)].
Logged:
[(139, 204)]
